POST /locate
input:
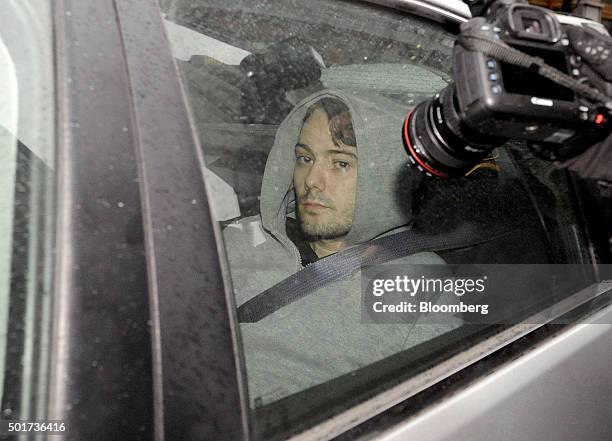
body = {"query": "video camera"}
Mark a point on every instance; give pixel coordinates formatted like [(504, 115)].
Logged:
[(518, 74)]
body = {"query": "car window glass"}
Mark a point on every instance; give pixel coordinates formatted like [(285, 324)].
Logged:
[(294, 102), (26, 206)]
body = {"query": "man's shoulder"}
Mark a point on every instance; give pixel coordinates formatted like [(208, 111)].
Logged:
[(257, 260), (246, 240), (425, 258), (247, 231), (421, 257)]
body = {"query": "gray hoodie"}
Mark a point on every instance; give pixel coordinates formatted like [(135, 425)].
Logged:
[(321, 336)]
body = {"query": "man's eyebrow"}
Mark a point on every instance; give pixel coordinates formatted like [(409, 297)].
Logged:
[(332, 151), (343, 152)]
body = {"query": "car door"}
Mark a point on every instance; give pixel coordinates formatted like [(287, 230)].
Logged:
[(122, 324)]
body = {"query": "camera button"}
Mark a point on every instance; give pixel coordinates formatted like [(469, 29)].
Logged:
[(493, 77), (491, 64), (575, 72), (496, 90)]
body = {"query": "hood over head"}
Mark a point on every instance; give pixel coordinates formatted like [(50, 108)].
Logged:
[(385, 181)]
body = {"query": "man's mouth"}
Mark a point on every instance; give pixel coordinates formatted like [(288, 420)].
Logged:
[(313, 206)]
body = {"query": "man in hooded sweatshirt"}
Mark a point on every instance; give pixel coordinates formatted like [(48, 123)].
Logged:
[(336, 176)]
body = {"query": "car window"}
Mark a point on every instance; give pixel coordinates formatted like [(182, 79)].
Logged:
[(26, 207), (299, 108)]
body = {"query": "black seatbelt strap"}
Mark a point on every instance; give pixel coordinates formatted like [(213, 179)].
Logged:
[(345, 263)]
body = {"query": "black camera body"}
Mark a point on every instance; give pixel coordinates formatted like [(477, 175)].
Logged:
[(498, 98), (492, 100)]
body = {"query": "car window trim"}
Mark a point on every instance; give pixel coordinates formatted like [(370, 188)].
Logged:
[(100, 286), (438, 11), (188, 267)]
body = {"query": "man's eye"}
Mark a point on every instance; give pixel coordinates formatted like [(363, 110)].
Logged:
[(342, 164), (300, 159)]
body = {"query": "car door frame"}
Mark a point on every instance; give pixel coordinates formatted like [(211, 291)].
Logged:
[(144, 345)]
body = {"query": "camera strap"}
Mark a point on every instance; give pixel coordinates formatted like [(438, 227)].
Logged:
[(347, 262), (500, 51)]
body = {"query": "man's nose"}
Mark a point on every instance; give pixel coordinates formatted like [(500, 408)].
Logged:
[(316, 177)]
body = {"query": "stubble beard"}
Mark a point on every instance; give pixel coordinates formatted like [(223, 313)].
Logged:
[(314, 230)]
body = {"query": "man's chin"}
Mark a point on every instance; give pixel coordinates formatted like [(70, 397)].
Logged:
[(319, 231)]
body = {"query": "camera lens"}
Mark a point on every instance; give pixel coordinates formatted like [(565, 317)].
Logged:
[(439, 143)]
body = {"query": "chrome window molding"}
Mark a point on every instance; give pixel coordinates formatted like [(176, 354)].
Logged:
[(452, 11)]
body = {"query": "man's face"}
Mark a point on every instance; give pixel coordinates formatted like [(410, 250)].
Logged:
[(325, 180)]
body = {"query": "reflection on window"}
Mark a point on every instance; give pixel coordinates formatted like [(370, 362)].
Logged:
[(26, 207), (299, 107)]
